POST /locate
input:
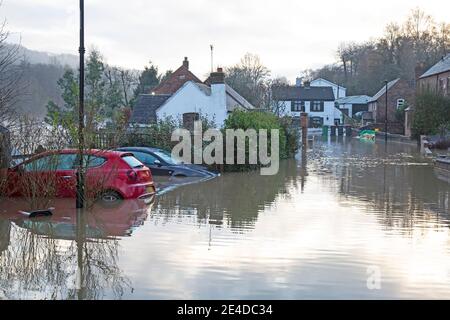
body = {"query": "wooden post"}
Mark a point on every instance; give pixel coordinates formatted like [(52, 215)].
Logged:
[(304, 127)]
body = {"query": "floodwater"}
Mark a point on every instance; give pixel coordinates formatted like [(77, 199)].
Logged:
[(346, 219)]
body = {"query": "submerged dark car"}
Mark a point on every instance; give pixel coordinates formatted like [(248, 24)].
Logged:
[(161, 163)]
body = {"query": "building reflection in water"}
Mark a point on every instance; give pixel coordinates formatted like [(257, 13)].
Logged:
[(392, 179), (234, 199)]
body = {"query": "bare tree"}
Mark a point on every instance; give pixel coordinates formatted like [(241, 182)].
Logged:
[(249, 78), (10, 76)]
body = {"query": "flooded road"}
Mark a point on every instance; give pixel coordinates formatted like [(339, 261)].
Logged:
[(332, 218)]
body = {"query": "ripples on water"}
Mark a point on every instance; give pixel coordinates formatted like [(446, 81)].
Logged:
[(312, 231)]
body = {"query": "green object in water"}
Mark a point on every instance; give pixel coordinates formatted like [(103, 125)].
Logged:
[(367, 135)]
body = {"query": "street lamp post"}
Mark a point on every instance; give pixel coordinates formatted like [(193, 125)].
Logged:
[(80, 171), (386, 115)]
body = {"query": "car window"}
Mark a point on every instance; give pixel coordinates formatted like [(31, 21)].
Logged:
[(167, 157), (51, 162), (66, 161), (144, 157), (41, 164), (132, 162), (93, 161)]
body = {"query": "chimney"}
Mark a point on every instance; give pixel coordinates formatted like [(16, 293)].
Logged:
[(219, 94), (217, 77), (298, 82), (186, 63)]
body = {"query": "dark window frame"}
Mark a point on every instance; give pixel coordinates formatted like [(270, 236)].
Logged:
[(313, 106), (297, 106)]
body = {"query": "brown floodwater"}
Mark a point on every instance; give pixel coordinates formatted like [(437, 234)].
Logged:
[(318, 229)]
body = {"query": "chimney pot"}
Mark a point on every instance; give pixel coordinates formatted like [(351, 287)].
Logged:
[(186, 63)]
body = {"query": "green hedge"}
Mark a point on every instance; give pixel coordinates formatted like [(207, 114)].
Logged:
[(263, 120), (431, 115)]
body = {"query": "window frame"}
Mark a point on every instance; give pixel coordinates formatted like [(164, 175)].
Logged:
[(297, 106), (313, 106), (400, 103)]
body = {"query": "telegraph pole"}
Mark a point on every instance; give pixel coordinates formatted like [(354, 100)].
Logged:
[(80, 171)]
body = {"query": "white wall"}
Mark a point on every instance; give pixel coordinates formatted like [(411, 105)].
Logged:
[(329, 111), (321, 83), (191, 99)]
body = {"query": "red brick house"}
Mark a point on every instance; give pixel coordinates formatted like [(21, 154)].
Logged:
[(400, 92), (176, 80), (437, 78)]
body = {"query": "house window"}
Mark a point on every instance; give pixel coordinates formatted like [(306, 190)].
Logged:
[(298, 106), (400, 103), (316, 122), (443, 85), (317, 106)]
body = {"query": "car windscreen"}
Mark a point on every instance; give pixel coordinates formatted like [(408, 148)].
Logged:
[(132, 162), (167, 157)]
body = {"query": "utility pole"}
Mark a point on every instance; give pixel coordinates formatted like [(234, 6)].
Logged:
[(386, 115), (80, 171), (212, 58)]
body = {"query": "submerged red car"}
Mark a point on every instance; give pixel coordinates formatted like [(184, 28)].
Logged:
[(110, 176)]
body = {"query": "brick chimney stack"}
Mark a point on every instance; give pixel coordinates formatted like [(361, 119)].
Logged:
[(186, 63), (217, 77)]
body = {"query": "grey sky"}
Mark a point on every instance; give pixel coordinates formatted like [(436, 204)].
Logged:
[(288, 35)]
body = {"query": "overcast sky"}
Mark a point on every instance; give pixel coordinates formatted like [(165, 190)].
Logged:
[(288, 35)]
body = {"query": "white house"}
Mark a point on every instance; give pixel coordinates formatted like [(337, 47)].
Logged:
[(213, 99), (318, 102), (338, 91)]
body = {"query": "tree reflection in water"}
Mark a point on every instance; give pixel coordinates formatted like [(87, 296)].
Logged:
[(234, 199), (73, 255)]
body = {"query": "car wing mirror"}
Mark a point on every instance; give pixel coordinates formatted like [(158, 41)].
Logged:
[(158, 163)]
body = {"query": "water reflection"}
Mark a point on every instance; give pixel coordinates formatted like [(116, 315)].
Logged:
[(393, 179), (309, 232), (71, 255), (234, 199)]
